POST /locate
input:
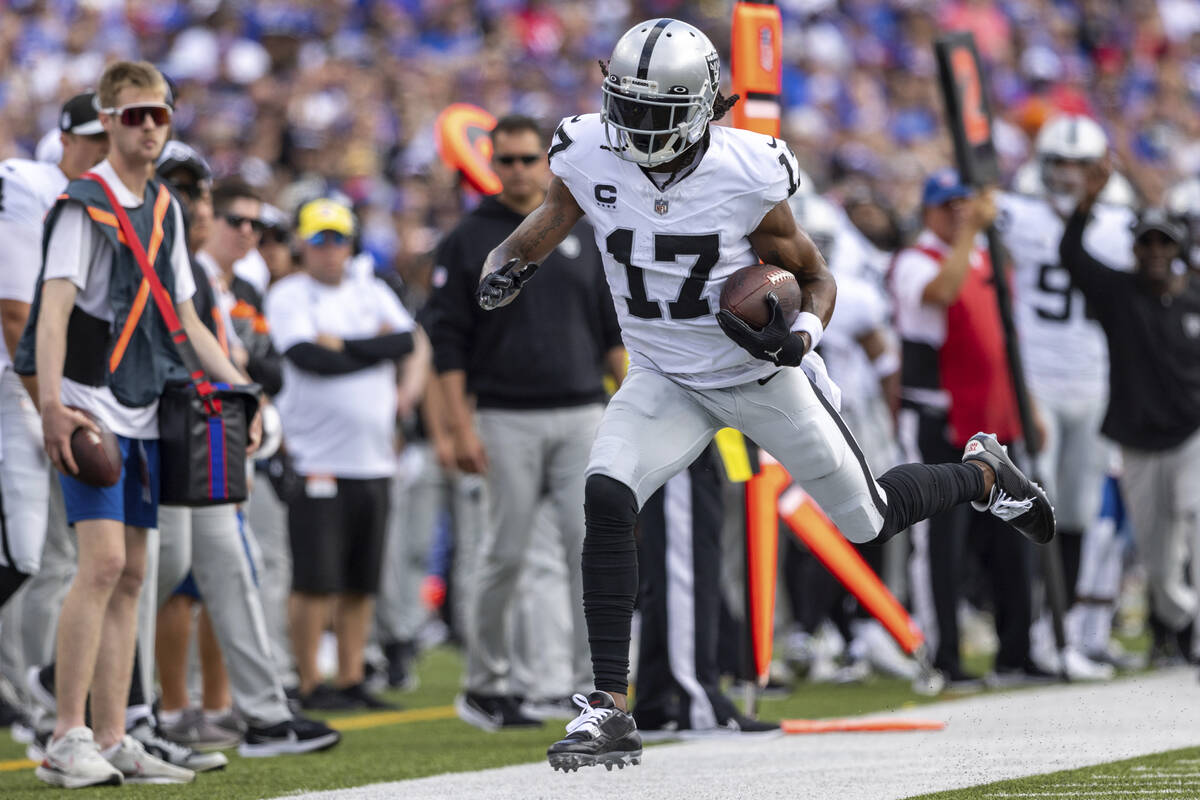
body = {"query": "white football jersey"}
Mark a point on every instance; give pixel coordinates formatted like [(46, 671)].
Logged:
[(28, 189), (861, 309), (1062, 347), (667, 253)]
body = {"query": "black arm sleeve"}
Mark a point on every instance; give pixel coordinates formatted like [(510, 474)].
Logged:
[(387, 347), (323, 361), (267, 370), (1100, 284)]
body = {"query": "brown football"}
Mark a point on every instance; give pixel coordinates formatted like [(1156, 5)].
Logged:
[(97, 455), (745, 294)]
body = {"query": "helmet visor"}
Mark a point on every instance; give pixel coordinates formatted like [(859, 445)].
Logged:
[(649, 121)]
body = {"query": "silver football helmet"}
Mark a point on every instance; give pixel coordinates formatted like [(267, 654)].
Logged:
[(659, 92), (1064, 146)]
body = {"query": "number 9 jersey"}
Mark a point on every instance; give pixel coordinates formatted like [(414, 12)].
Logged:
[(1062, 348), (667, 252)]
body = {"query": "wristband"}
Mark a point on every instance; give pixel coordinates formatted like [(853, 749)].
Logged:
[(887, 363), (811, 324)]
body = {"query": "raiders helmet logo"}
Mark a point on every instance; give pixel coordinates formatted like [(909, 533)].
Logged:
[(660, 206)]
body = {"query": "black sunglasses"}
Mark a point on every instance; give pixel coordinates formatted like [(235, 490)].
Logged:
[(276, 236), (236, 221), (527, 160), (189, 190)]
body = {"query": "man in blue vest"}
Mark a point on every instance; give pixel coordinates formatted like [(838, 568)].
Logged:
[(99, 350)]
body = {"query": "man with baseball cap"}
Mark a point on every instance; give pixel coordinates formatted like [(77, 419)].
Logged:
[(955, 381), (340, 336), (34, 534), (1151, 318)]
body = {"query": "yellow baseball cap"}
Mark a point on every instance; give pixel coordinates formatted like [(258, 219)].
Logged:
[(324, 214)]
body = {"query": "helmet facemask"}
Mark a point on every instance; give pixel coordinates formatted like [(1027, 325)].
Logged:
[(648, 126), (1064, 180)]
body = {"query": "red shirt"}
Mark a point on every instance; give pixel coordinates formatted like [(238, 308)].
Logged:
[(956, 353)]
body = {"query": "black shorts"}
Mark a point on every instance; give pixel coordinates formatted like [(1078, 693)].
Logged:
[(338, 537)]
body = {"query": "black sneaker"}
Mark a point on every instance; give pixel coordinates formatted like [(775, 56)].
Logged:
[(491, 713), (324, 697), (1015, 499), (601, 734), (296, 735), (401, 658), (359, 697)]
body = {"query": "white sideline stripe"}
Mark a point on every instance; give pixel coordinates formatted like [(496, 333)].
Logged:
[(988, 738)]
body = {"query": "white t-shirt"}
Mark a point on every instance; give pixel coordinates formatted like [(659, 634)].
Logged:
[(80, 253), (28, 189), (1063, 350), (667, 253), (252, 268), (222, 294), (338, 425)]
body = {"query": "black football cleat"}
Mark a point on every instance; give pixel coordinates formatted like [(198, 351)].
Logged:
[(1015, 499), (601, 734)]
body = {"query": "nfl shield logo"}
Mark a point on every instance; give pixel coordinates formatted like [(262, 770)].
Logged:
[(660, 206)]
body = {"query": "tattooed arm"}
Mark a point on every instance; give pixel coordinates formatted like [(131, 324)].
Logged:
[(779, 241), (542, 231)]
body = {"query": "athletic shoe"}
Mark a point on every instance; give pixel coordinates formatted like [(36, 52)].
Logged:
[(161, 747), (401, 657), (290, 737), (36, 749), (550, 708), (736, 725), (1029, 675), (670, 731), (492, 713), (74, 761), (324, 697), (879, 649), (1117, 656), (40, 682), (1015, 499), (601, 734), (230, 722), (194, 730), (362, 698), (960, 681), (138, 766)]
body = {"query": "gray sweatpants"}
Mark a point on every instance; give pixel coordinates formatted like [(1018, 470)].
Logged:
[(419, 490), (267, 515), (534, 454), (1163, 497), (211, 540)]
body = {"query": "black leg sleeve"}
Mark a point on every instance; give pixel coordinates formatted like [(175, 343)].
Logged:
[(918, 491), (610, 578)]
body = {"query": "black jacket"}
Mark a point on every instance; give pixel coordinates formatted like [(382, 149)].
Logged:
[(545, 349), (1153, 349)]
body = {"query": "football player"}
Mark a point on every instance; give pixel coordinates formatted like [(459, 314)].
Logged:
[(1063, 349), (678, 205)]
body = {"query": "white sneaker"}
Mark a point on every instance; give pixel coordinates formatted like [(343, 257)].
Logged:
[(1082, 668), (138, 766), (74, 761), (177, 754)]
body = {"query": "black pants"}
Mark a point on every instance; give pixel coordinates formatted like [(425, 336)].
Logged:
[(1004, 555), (679, 556)]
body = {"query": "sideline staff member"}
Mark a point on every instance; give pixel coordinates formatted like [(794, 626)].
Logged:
[(340, 336), (1151, 318)]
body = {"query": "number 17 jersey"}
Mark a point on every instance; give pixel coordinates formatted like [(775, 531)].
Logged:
[(667, 252)]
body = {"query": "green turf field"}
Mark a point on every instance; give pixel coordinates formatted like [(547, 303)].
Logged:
[(1163, 775), (427, 739)]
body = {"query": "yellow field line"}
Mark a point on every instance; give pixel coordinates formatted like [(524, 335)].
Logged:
[(357, 722), (378, 719)]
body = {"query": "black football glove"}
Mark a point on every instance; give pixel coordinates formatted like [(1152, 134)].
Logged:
[(501, 287), (775, 342)]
